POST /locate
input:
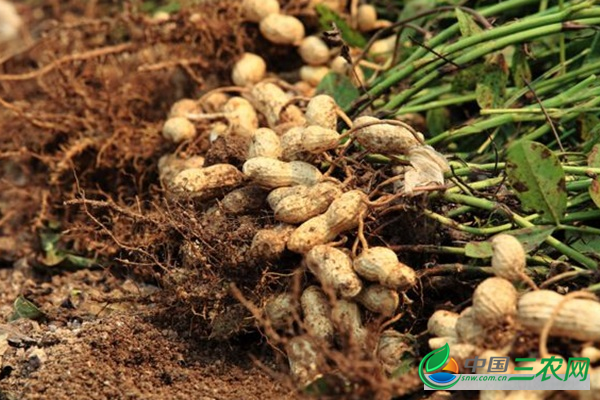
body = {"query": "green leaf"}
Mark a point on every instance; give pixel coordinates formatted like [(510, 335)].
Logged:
[(584, 242), (23, 308), (520, 68), (327, 16), (594, 162), (532, 238), (478, 249), (339, 87), (438, 358), (588, 126), (466, 24), (466, 79), (54, 257), (537, 176), (491, 85)]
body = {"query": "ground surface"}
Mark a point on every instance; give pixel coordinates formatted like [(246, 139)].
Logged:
[(93, 349)]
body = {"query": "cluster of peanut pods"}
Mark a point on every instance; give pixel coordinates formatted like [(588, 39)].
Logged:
[(285, 145), (502, 309)]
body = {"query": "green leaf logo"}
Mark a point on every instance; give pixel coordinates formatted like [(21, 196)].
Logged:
[(438, 359), (432, 362)]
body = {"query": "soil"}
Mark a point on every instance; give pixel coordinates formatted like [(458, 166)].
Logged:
[(103, 338)]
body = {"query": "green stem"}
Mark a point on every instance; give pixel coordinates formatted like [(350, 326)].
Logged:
[(458, 211), (524, 223), (436, 104), (583, 229), (430, 94), (410, 65), (480, 45), (466, 228), (588, 215)]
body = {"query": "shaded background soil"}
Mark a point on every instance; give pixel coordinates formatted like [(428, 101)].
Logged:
[(105, 342)]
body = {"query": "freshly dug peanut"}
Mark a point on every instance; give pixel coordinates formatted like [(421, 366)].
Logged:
[(442, 323), (347, 320), (248, 70), (214, 102), (303, 358), (299, 203), (391, 348), (342, 215), (277, 195), (241, 116), (591, 352), (279, 310), (244, 200), (313, 74), (321, 111), (183, 107), (317, 313), (178, 129), (380, 264), (313, 50), (468, 329), (170, 165), (271, 173), (437, 342), (333, 269), (341, 66), (508, 258), (316, 139), (379, 299), (292, 148), (382, 49), (494, 302), (313, 232), (269, 100), (207, 182), (462, 351), (384, 138), (256, 10), (264, 143), (291, 116), (269, 244), (282, 29), (576, 319), (367, 19), (304, 89)]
